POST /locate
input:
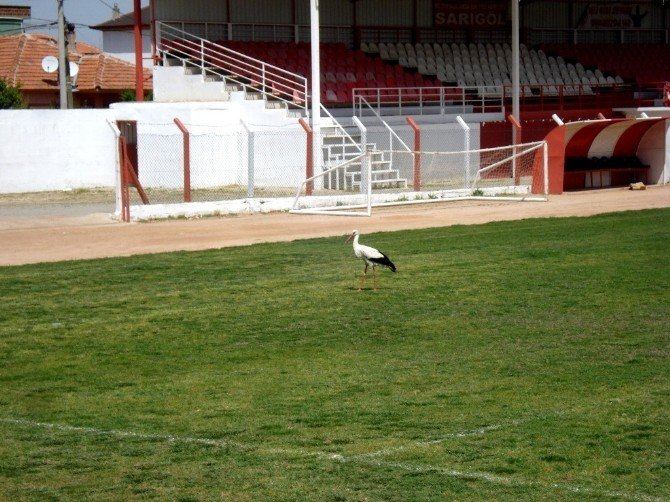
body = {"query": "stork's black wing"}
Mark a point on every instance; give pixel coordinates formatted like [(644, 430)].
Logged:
[(384, 261)]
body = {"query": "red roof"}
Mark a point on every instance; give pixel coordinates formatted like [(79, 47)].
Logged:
[(21, 63)]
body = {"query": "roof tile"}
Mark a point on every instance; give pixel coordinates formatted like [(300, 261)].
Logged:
[(21, 63)]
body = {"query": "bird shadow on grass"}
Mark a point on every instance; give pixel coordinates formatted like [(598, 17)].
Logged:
[(366, 289)]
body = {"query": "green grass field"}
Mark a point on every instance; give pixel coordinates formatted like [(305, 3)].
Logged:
[(509, 361)]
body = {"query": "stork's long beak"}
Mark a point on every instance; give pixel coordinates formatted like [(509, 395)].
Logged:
[(349, 237)]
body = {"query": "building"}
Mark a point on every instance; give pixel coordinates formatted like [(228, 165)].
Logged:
[(100, 80), (11, 19), (118, 37)]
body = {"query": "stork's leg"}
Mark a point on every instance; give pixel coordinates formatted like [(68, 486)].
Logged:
[(361, 282)]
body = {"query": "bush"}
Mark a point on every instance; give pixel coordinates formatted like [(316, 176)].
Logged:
[(129, 95), (10, 96)]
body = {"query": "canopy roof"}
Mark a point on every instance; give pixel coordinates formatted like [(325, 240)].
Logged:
[(606, 138)]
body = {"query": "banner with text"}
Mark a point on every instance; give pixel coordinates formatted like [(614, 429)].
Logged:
[(612, 15), (476, 14)]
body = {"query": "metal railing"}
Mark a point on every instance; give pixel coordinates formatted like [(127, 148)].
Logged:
[(490, 99), (215, 60), (402, 100), (594, 36), (572, 96), (392, 134), (341, 130), (338, 145), (362, 102)]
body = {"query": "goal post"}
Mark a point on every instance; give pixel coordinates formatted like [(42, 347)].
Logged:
[(525, 164), (340, 190), (378, 178)]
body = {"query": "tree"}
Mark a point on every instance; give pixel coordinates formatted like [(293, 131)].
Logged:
[(10, 96), (129, 95)]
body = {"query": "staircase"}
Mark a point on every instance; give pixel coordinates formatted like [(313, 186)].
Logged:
[(177, 80), (196, 69), (218, 70), (341, 144)]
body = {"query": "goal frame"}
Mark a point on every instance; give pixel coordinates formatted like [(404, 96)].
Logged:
[(318, 205), (366, 191)]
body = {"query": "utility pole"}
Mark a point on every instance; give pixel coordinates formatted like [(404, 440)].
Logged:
[(62, 57), (65, 85)]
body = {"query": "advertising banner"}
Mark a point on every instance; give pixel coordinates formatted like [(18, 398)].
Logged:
[(612, 15), (476, 14)]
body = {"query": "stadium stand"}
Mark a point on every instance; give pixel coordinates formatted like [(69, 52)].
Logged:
[(342, 68), (567, 66), (553, 76), (491, 65), (628, 62)]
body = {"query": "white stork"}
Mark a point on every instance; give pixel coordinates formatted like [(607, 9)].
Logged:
[(371, 257)]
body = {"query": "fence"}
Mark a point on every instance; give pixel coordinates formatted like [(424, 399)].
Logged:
[(179, 162)]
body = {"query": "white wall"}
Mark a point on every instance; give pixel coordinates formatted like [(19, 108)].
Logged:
[(652, 151), (56, 150), (43, 150), (227, 139)]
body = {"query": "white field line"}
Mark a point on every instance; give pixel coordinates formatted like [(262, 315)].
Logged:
[(168, 438), (447, 437), (503, 480), (457, 435), (367, 459)]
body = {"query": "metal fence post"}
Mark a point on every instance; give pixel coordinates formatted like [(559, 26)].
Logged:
[(365, 184), (516, 139), (187, 159), (366, 173), (250, 160), (417, 153), (309, 160)]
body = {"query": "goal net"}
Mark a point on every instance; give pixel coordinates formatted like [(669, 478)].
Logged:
[(390, 177)]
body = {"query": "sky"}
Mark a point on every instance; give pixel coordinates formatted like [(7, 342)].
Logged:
[(83, 13)]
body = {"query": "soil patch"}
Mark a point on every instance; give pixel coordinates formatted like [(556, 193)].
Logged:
[(31, 236)]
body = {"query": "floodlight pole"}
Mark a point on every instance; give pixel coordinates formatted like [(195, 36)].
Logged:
[(316, 84)]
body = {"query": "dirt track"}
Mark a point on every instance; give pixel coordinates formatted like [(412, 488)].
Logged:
[(42, 239)]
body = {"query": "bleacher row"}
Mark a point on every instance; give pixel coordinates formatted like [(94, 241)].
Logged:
[(491, 65), (642, 63), (342, 69), (579, 70)]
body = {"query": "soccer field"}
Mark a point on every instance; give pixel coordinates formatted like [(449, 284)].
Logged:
[(506, 361)]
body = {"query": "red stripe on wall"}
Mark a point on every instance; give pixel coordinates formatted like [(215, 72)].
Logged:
[(631, 137), (580, 144)]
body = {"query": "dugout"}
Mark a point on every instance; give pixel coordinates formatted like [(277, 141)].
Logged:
[(605, 153)]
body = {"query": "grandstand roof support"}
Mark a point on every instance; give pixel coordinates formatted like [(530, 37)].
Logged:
[(316, 83), (516, 111)]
